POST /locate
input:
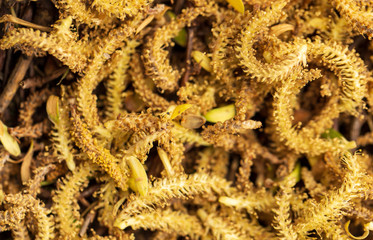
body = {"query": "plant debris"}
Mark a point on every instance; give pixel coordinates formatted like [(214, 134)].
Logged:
[(197, 119)]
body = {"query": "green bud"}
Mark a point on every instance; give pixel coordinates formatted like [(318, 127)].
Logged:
[(202, 60), (221, 114), (139, 180), (10, 143)]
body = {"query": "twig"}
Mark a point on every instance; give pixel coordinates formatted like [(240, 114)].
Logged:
[(84, 201), (15, 78), (13, 19), (89, 191), (88, 220), (2, 62), (40, 81), (355, 128), (178, 6), (8, 59), (185, 79)]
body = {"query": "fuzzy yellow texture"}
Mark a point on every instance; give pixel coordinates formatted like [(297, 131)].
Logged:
[(144, 133), (120, 8), (93, 76), (61, 30), (348, 67), (79, 11), (32, 41), (310, 183), (108, 196), (249, 229), (39, 175), (168, 221), (358, 14), (157, 64), (221, 230), (98, 154), (268, 72), (305, 140), (200, 95), (188, 136), (27, 204), (61, 137), (224, 59), (175, 148), (315, 215), (100, 50), (118, 80), (142, 147), (28, 108), (143, 87), (233, 126), (282, 219), (247, 106), (260, 200), (182, 186), (65, 202), (20, 231), (10, 218), (214, 160)]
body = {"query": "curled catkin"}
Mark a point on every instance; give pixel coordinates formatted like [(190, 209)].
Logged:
[(65, 202), (34, 42), (274, 71), (307, 139), (157, 64), (358, 13), (350, 70)]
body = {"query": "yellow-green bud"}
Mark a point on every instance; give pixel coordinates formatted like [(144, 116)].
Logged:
[(139, 180), (179, 110), (10, 143), (202, 60), (221, 114), (237, 5), (166, 161)]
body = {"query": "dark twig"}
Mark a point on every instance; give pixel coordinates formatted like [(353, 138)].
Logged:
[(15, 78), (355, 128), (2, 62), (86, 193), (88, 220), (8, 59), (89, 191), (191, 32), (178, 6), (40, 81), (84, 201)]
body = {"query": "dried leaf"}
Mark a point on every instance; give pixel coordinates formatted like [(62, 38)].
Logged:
[(53, 109), (26, 164), (192, 121)]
